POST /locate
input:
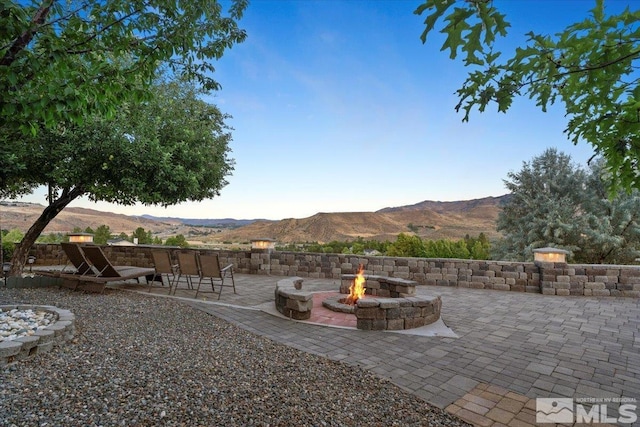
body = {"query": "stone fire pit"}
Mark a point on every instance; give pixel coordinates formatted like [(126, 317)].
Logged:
[(390, 304)]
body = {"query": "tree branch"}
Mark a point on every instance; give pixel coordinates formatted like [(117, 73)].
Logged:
[(103, 29), (25, 38)]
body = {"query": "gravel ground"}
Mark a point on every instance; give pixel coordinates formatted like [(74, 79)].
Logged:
[(143, 361)]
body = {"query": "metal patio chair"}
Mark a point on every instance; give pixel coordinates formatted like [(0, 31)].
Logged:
[(188, 268), (210, 269), (164, 268)]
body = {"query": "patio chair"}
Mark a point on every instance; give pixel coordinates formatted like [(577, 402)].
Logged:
[(77, 258), (164, 267), (105, 272), (210, 269), (188, 267)]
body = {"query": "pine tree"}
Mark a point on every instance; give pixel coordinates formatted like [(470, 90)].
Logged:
[(545, 208), (556, 203)]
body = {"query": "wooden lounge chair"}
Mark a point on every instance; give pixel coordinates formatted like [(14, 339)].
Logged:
[(76, 258), (105, 272)]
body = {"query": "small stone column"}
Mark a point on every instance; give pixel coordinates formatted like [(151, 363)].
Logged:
[(261, 256), (552, 266)]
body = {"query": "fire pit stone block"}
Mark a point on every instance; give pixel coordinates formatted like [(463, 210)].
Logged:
[(371, 324), (291, 300), (381, 286), (375, 314)]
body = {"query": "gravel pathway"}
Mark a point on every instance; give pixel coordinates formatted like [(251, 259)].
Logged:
[(143, 361)]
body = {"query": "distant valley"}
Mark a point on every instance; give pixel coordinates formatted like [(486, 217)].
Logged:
[(428, 219)]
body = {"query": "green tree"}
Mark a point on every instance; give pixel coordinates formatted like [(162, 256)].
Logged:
[(144, 237), (406, 246), (51, 238), (9, 242), (178, 240), (357, 248), (479, 251), (170, 149), (102, 234), (556, 203), (313, 247), (460, 250), (544, 209), (589, 67), (62, 61), (479, 248), (335, 247), (612, 234)]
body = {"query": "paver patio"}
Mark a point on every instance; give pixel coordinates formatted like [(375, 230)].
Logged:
[(511, 347)]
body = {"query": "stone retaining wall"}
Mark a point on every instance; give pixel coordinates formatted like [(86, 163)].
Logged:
[(43, 340), (548, 278)]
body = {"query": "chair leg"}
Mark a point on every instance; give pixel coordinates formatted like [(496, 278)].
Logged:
[(233, 282), (150, 282), (221, 286), (176, 283), (171, 282), (198, 290)]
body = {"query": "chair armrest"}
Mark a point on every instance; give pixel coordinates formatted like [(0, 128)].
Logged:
[(228, 267)]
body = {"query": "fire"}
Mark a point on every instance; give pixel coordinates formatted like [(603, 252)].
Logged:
[(356, 290)]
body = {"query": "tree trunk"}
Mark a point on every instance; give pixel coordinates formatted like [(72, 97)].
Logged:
[(50, 212)]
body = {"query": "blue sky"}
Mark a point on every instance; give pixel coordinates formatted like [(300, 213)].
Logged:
[(338, 107)]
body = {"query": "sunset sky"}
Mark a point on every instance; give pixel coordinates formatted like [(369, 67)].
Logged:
[(338, 107)]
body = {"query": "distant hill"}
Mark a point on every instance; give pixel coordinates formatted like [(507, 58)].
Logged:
[(222, 222), (427, 219), (22, 215), (448, 207)]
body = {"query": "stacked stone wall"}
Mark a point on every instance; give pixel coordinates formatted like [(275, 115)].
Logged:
[(548, 278)]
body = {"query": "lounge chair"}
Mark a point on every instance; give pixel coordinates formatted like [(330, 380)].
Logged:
[(105, 272), (76, 258)]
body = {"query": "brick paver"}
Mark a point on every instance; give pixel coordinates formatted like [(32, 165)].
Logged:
[(511, 347)]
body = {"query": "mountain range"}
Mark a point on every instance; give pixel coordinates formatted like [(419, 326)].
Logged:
[(428, 219)]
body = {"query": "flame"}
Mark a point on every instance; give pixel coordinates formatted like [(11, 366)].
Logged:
[(356, 290)]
